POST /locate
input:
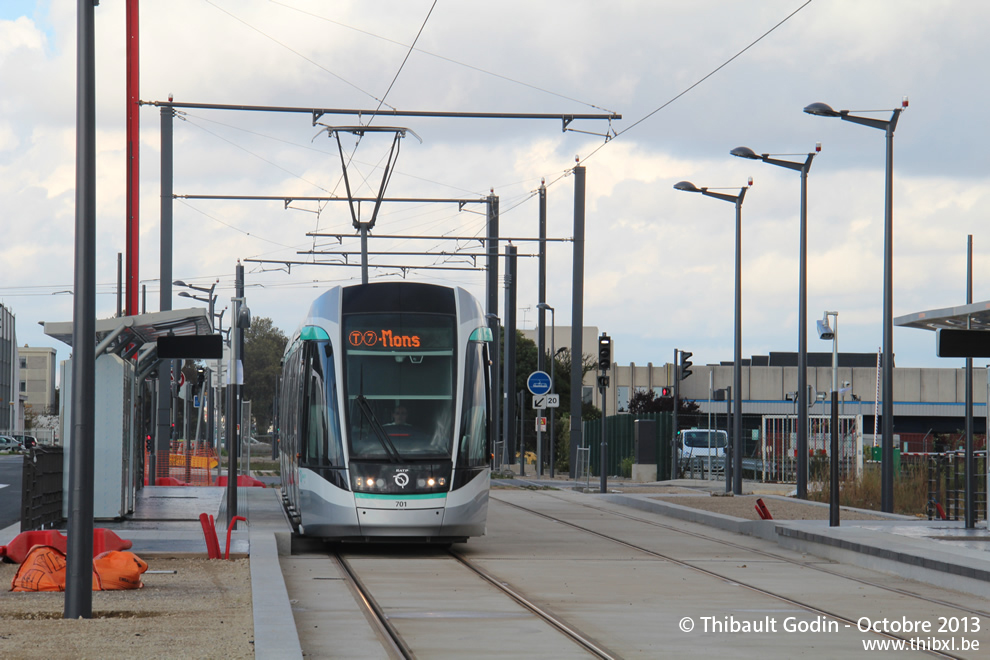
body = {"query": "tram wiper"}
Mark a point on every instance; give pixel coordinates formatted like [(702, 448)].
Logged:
[(380, 433)]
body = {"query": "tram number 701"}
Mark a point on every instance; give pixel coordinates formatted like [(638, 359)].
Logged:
[(400, 504)]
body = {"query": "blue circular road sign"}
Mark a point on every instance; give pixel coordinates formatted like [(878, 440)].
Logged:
[(539, 382)]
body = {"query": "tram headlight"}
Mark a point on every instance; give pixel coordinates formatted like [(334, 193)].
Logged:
[(431, 482), (380, 483), (441, 481)]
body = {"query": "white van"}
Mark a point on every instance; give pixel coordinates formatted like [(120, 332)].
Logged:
[(694, 444)]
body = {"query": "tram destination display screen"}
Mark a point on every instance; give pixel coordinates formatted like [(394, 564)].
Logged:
[(400, 369), (399, 355)]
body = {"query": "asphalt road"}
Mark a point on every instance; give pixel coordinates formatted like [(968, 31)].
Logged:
[(10, 489)]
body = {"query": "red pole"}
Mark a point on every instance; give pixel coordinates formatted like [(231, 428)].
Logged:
[(133, 138)]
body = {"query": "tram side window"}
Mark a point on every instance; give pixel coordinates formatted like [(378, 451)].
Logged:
[(322, 431), (335, 439), (291, 401), (473, 450)]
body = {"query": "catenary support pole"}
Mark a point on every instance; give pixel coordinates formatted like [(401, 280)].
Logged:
[(164, 430), (541, 332), (491, 290), (234, 379), (577, 319), (79, 557), (509, 375), (133, 139)]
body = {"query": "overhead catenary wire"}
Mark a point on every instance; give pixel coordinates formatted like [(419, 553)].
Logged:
[(512, 206), (698, 82), (443, 57), (295, 52)]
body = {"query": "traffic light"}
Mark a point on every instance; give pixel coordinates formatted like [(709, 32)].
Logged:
[(666, 391), (604, 352), (685, 364)]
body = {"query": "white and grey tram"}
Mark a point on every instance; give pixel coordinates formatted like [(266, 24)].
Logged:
[(383, 415)]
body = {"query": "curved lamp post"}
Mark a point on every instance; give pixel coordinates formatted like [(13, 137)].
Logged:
[(209, 300), (687, 186), (802, 388), (887, 409)]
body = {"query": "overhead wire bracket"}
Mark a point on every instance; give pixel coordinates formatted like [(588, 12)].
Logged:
[(360, 131)]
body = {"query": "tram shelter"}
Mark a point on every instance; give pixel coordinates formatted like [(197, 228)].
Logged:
[(126, 355), (972, 316)]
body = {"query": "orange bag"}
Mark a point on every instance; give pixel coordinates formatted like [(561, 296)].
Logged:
[(119, 569), (43, 569)]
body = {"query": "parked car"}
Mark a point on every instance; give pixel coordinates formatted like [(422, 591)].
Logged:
[(7, 443), (27, 441)]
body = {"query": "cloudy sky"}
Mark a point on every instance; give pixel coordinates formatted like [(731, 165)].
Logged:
[(692, 80)]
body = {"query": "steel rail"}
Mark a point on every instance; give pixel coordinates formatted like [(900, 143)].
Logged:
[(585, 642), (394, 642)]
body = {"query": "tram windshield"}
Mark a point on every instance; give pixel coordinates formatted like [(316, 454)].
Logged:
[(399, 379)]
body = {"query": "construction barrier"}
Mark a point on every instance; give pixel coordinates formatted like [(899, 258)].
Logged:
[(189, 464)]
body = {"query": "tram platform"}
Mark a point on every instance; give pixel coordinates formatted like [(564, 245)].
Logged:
[(166, 523)]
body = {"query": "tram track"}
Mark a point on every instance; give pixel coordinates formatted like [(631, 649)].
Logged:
[(814, 566), (392, 641), (808, 607), (397, 646), (593, 647)]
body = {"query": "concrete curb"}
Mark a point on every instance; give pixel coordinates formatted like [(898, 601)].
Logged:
[(275, 633), (865, 545)]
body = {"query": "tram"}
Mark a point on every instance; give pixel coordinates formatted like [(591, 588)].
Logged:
[(383, 415)]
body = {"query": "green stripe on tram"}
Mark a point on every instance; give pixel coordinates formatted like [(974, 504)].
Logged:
[(376, 496)]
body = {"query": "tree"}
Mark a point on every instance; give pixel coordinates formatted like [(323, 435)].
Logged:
[(647, 401), (526, 363), (263, 348)]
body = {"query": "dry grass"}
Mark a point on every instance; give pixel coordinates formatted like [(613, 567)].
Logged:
[(910, 489)]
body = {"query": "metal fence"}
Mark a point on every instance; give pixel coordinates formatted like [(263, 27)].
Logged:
[(778, 447), (43, 436), (946, 472), (621, 441)]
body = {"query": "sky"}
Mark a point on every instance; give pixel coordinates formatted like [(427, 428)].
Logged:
[(692, 80)]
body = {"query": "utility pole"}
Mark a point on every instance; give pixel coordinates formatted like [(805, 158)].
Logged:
[(508, 424), (542, 315), (577, 318)]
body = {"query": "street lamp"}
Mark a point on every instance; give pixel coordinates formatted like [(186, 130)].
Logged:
[(887, 410), (210, 299), (553, 363), (802, 420), (827, 332), (687, 186)]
